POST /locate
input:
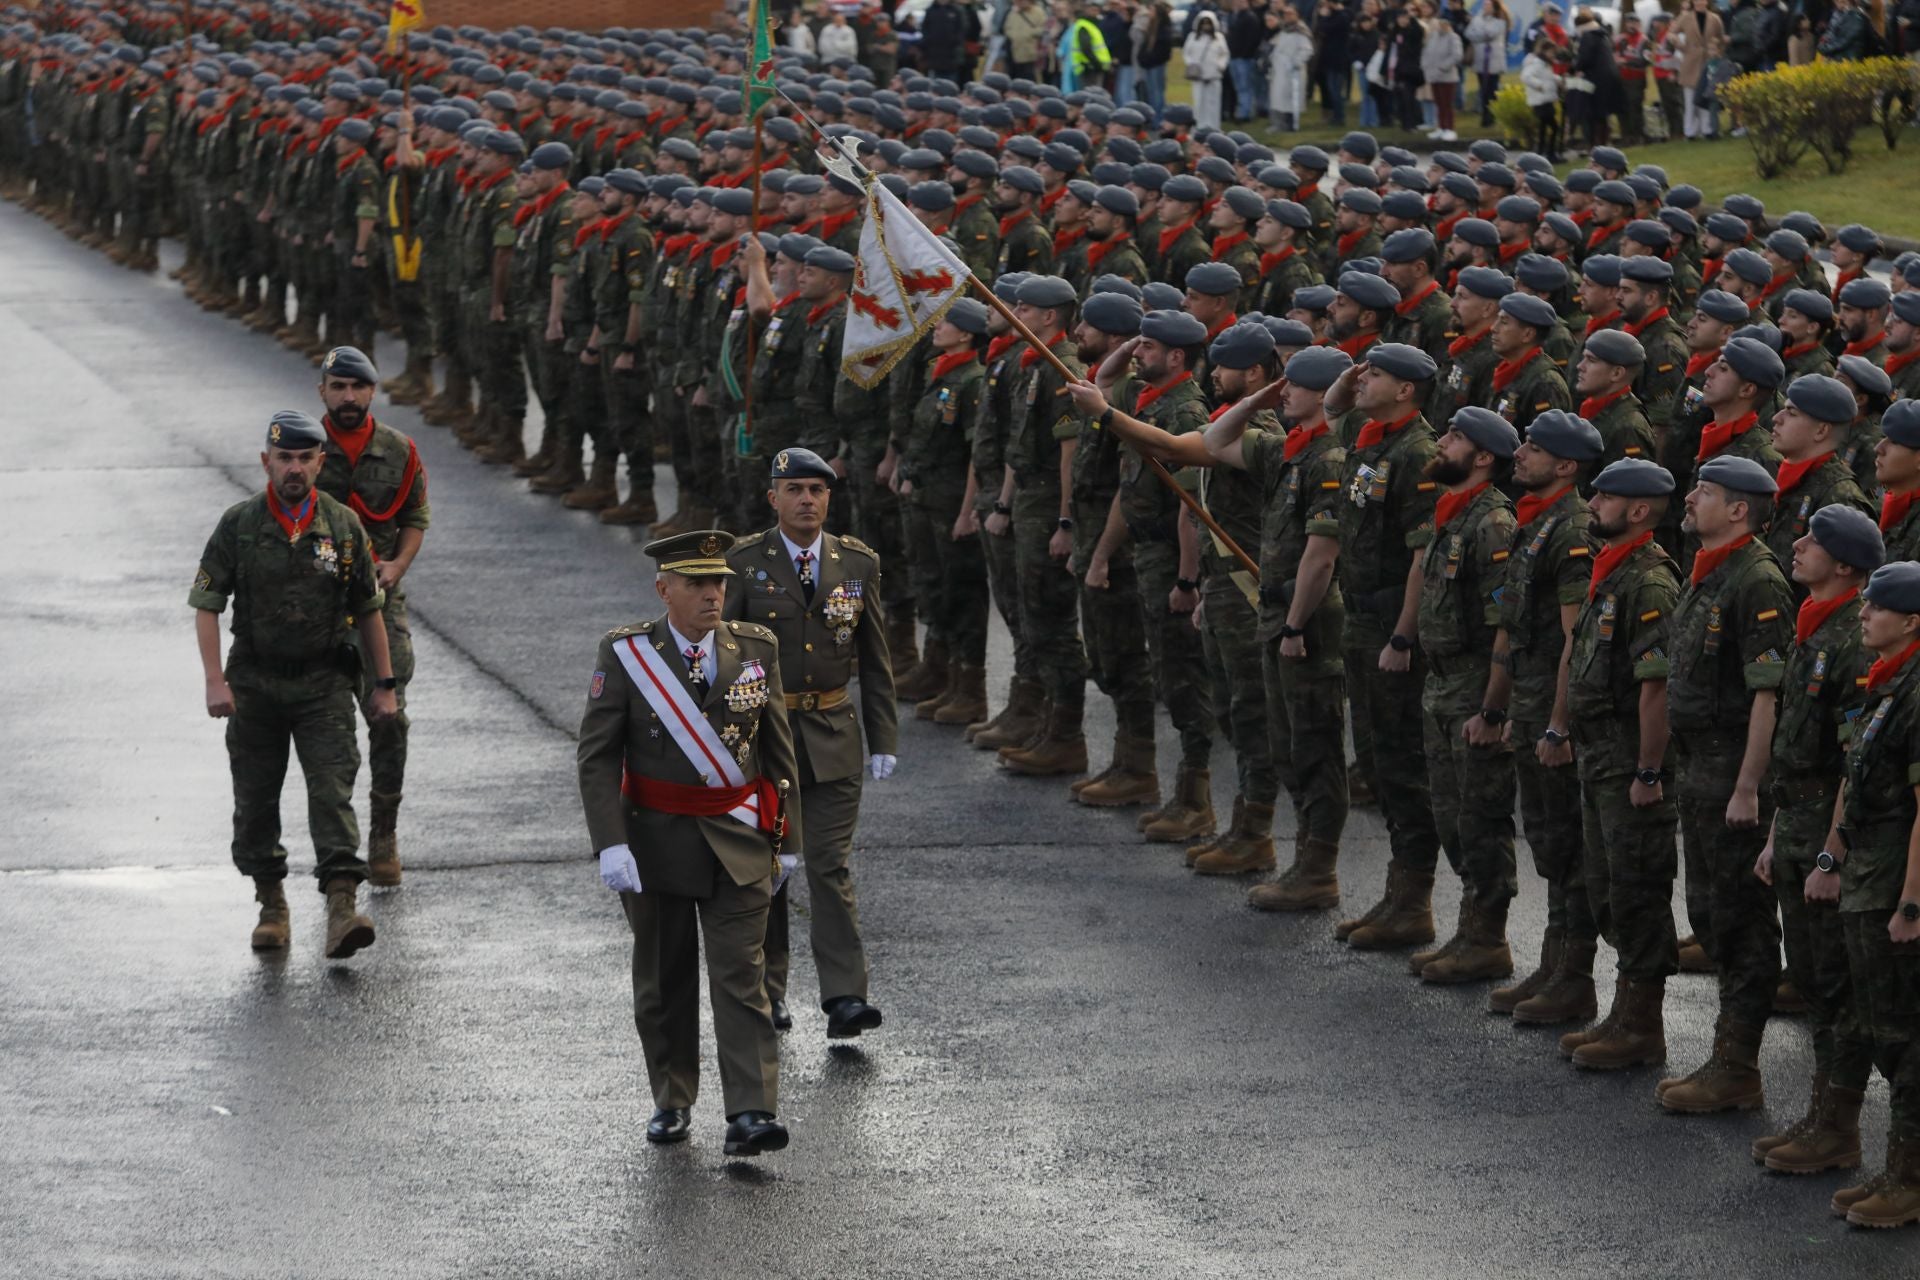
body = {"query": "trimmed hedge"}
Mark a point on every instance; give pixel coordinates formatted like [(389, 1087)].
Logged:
[(1819, 107), (1512, 114)]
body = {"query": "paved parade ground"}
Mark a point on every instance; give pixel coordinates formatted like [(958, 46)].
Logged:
[(1093, 1064)]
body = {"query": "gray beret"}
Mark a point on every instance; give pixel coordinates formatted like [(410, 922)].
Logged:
[(1115, 313), (1245, 202), (1790, 245), (1184, 187), (1650, 233), (1634, 478), (1755, 362), (1359, 175), (1566, 435), (1289, 214), (1461, 187), (795, 246), (1111, 283), (1360, 200), (1289, 334), (1686, 196), (1409, 206), (1538, 271), (1807, 225), (1060, 156), (806, 184), (1583, 181), (1175, 328), (1849, 536), (1315, 298), (1489, 150), (1370, 291), (1021, 178), (1214, 279), (354, 130), (1496, 174), (1749, 266), (1047, 291), (1901, 423), (1215, 168), (1485, 281), (1895, 586), (1242, 346), (1478, 231), (1615, 191), (1609, 158), (1410, 179), (1617, 348), (1818, 396), (1409, 245), (1865, 375), (800, 464), (1906, 306), (1678, 221), (1814, 306), (1083, 191), (1529, 310), (1860, 239), (291, 429), (1157, 295), (1360, 143), (1724, 307), (504, 142), (1737, 475), (1764, 334), (934, 197), (1310, 158), (828, 258), (976, 164), (735, 202), (968, 315), (1118, 200), (1866, 293), (1007, 287), (352, 362), (1543, 184), (1727, 227), (1278, 175), (1487, 429), (1647, 270), (1518, 209), (1409, 364), (1149, 177), (1317, 368)]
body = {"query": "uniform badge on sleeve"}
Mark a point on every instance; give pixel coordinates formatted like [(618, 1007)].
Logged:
[(598, 685)]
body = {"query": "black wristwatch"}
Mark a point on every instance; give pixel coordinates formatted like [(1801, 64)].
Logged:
[(1910, 911), (1648, 777), (1065, 523), (1289, 633), (1106, 419), (1186, 584), (388, 683), (1492, 715), (1399, 643), (1823, 861), (1002, 509), (1552, 736)]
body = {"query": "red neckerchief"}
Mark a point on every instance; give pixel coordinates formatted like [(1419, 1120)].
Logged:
[(585, 123), (292, 523), (946, 364), (1716, 436), (1344, 245), (1794, 352), (1596, 323), (1611, 558), (1705, 562), (1508, 252), (1529, 507), (347, 162), (724, 254), (1012, 220), (1221, 412), (1467, 342), (1067, 237), (1598, 404), (1710, 271), (1172, 234), (1698, 362), (1268, 261), (352, 443), (1443, 230), (1051, 198), (806, 228), (1635, 330), (480, 184), (819, 313), (1884, 669), (1358, 343), (1221, 326), (212, 122), (1031, 354), (1223, 245), (831, 223), (534, 208), (997, 347), (785, 302), (674, 244), (1406, 306), (628, 139), (1815, 612), (1300, 437), (777, 162), (440, 156), (588, 231), (1374, 430), (1893, 507), (1792, 473), (965, 203), (699, 249), (1774, 286), (1865, 344), (1149, 394), (526, 121), (1598, 235), (1097, 250), (1844, 279), (1308, 192), (1507, 370), (768, 221), (1452, 504), (1895, 363)]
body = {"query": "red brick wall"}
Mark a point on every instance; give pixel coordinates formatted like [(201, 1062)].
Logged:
[(583, 15)]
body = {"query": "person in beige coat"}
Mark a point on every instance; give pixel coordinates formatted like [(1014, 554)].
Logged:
[(1698, 35)]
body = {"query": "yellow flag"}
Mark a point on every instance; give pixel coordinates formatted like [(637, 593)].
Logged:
[(406, 15)]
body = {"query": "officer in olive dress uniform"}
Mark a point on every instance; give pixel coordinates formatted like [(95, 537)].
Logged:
[(300, 572), (685, 759), (819, 595)]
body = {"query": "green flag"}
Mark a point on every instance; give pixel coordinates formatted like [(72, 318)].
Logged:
[(759, 58)]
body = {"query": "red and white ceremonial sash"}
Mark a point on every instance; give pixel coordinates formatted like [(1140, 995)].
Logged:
[(687, 725)]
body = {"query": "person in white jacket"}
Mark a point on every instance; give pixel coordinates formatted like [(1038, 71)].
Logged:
[(1288, 58), (837, 39), (1540, 78), (1440, 57), (800, 35), (1206, 55)]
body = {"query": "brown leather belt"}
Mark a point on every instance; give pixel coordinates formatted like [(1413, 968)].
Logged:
[(826, 701)]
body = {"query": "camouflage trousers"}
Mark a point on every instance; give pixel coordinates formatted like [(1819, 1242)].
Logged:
[(494, 356), (1049, 597), (1550, 815), (1004, 584), (410, 308), (950, 574), (1731, 911), (1389, 702), (1179, 656), (1232, 650), (1816, 943), (877, 521), (315, 714), (1472, 789), (1886, 1009), (387, 739), (1630, 858), (1116, 637), (550, 369), (1306, 713)]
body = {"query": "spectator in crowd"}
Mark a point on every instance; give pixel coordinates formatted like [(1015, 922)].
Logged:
[(1540, 79), (1440, 59), (1903, 29), (947, 31), (1548, 24), (1116, 24), (1206, 55), (1487, 35), (1666, 72), (1246, 33), (1289, 60), (1369, 55), (1025, 30), (1594, 65), (837, 39), (1756, 34), (883, 48), (1081, 54), (1848, 33), (1632, 53), (1698, 35), (1803, 43), (799, 35), (1405, 39), (1330, 35), (1152, 51)]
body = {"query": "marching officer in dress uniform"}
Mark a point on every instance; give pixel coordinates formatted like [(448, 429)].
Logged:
[(299, 569), (686, 757), (819, 596)]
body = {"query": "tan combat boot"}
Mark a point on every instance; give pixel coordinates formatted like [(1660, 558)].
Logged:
[(1405, 918), (903, 648), (507, 445), (1061, 749), (1482, 954), (639, 508), (564, 476), (275, 929), (1638, 1037), (347, 930), (968, 701), (1359, 788), (1427, 955), (1312, 883), (1787, 1000), (1247, 848), (1896, 1200), (1191, 814), (1846, 1197), (1693, 956), (1600, 1030), (383, 842), (929, 707), (1831, 1140), (1767, 1143), (542, 457), (926, 677), (1201, 848), (1343, 929), (1568, 995), (1132, 780), (1729, 1080), (597, 492), (1017, 721), (1552, 946)]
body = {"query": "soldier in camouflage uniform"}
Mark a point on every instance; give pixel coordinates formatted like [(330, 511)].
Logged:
[(975, 229), (1645, 285), (1806, 320), (1111, 248), (289, 676), (1235, 218), (1903, 344), (1181, 246), (627, 292), (492, 338), (1525, 381), (1470, 355), (1897, 468), (1609, 366), (1025, 244), (538, 276), (1284, 268), (1811, 476), (1424, 317)]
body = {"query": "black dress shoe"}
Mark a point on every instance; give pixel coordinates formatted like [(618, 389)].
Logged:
[(755, 1133), (848, 1016), (782, 1018), (669, 1124)]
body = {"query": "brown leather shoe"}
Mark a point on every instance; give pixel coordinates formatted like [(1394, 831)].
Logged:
[(638, 509), (1130, 781), (1895, 1198), (1018, 721), (1573, 1040), (1693, 956), (1481, 955), (1767, 1143)]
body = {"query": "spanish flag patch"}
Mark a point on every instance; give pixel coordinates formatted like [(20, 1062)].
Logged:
[(1574, 553), (1649, 615), (1425, 486), (1766, 615), (1498, 556)]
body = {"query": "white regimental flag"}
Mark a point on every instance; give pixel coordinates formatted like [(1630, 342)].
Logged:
[(903, 282)]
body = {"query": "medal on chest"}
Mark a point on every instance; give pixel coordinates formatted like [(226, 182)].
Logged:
[(1819, 676), (1608, 609), (326, 557), (842, 609), (749, 689), (1879, 718)]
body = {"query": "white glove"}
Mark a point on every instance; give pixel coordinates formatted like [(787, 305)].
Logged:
[(882, 766), (787, 861), (618, 871)]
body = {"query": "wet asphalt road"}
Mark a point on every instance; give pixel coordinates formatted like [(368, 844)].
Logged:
[(1094, 1064)]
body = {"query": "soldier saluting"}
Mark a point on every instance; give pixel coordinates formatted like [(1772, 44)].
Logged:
[(299, 570), (684, 754)]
